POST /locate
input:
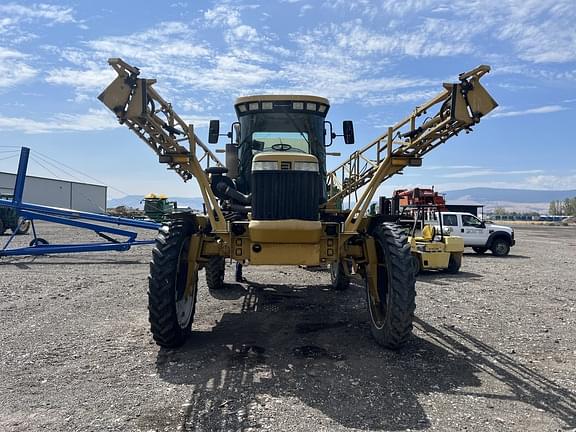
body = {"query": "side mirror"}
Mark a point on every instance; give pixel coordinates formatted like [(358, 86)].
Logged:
[(214, 131), (348, 128)]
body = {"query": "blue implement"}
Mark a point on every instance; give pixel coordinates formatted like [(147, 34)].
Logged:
[(74, 218)]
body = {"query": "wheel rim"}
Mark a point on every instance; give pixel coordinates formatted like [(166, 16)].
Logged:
[(500, 248), (379, 309), (184, 301)]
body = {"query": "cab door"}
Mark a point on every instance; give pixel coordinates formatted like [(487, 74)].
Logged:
[(473, 230), (451, 224)]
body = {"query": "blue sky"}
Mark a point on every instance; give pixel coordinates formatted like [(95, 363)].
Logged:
[(374, 60)]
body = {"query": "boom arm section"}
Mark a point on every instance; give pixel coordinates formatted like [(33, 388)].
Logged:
[(461, 106), (138, 106)]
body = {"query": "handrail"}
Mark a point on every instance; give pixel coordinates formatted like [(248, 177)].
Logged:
[(461, 106), (139, 106)]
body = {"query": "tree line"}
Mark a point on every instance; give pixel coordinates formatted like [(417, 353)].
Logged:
[(565, 207)]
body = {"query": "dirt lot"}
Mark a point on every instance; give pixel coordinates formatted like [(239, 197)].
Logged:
[(494, 348)]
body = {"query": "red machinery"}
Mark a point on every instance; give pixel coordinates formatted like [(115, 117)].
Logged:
[(420, 196)]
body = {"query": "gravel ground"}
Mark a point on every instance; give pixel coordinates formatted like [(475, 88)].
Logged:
[(494, 348)]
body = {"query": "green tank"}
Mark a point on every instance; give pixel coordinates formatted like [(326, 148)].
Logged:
[(157, 207)]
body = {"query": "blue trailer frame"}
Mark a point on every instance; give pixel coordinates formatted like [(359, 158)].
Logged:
[(39, 246)]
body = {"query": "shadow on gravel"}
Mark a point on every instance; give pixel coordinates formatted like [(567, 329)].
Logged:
[(430, 275), (24, 265), (442, 279), (490, 256), (526, 385), (312, 345)]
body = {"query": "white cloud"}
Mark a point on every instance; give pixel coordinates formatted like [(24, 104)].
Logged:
[(552, 182), (434, 37), (223, 14), (52, 14), (19, 22), (172, 54), (489, 172), (538, 31), (305, 8), (346, 62), (539, 110), (445, 167), (82, 80), (94, 119), (14, 69), (229, 17)]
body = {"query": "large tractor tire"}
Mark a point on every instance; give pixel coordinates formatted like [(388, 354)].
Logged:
[(171, 306), (500, 247), (479, 249), (340, 280), (454, 263), (391, 301), (215, 270)]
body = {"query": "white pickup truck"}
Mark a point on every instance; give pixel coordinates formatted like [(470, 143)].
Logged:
[(479, 235)]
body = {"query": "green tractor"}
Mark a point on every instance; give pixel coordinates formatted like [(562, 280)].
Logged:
[(157, 207)]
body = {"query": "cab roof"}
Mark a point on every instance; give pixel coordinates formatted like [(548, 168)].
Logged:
[(271, 98), (307, 104)]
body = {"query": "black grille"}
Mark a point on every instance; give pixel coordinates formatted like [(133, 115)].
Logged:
[(285, 194)]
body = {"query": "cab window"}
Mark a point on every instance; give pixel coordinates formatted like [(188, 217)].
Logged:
[(281, 141), (450, 220), (471, 221)]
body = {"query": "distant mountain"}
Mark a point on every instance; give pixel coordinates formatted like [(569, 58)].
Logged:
[(134, 201), (485, 195), (511, 199)]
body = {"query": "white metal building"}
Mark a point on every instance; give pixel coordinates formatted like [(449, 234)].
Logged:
[(58, 193)]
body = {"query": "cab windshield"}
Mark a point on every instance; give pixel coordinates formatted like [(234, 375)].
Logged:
[(281, 141)]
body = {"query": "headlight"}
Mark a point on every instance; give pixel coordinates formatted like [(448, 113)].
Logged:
[(264, 166), (305, 166)]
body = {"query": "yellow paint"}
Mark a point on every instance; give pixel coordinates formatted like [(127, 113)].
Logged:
[(286, 254), (285, 231)]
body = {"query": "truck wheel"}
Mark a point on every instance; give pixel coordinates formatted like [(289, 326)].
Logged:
[(2, 227), (171, 307), (500, 247), (391, 301), (340, 280), (479, 250), (215, 269), (454, 263)]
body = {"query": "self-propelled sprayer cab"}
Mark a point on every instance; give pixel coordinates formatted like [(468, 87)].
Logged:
[(278, 154)]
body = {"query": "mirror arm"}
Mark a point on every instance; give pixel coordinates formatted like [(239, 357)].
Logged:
[(332, 134), (231, 133)]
